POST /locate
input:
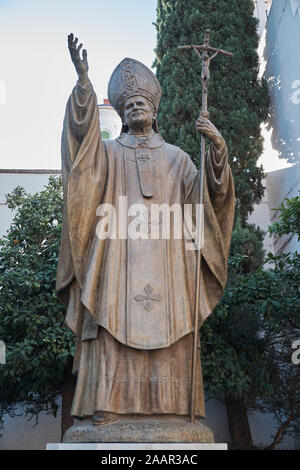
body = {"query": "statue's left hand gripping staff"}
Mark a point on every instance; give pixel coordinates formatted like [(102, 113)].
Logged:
[(204, 56)]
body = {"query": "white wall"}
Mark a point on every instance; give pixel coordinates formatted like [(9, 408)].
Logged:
[(283, 184), (280, 184), (21, 434)]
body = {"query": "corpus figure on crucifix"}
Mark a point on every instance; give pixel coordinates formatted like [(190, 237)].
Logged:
[(130, 299)]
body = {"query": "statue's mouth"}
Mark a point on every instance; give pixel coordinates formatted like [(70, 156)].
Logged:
[(137, 113)]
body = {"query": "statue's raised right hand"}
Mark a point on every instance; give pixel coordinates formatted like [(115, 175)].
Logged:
[(81, 64)]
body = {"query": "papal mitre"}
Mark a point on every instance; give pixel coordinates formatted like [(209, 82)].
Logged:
[(132, 78)]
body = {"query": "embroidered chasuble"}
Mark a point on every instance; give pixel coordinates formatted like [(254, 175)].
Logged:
[(130, 301)]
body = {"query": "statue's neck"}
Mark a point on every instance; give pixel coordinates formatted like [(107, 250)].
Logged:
[(141, 133), (151, 140)]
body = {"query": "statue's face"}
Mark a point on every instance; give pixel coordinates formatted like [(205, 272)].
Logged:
[(138, 113)]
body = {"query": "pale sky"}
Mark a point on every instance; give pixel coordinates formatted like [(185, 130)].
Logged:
[(37, 75)]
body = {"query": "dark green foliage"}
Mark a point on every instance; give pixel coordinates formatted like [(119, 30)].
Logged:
[(246, 248), (289, 221), (238, 101), (265, 301), (31, 317), (247, 342)]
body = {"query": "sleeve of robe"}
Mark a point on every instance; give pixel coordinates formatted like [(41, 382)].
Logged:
[(83, 177), (219, 202)]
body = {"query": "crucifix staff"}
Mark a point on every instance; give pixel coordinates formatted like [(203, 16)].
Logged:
[(202, 52)]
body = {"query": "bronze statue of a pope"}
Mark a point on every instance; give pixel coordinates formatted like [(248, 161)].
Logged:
[(130, 300)]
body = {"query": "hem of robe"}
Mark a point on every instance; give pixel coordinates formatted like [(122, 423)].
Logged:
[(116, 378)]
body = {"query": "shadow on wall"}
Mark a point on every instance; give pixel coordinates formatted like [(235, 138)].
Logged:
[(283, 77), (20, 434)]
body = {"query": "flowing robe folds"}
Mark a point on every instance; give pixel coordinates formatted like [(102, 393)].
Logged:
[(130, 301)]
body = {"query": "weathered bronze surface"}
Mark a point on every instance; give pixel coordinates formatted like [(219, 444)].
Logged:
[(130, 301), (141, 429)]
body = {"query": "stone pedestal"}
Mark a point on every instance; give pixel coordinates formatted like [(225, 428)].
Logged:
[(136, 446), (157, 429)]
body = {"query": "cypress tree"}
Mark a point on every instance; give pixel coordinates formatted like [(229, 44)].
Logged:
[(238, 103)]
